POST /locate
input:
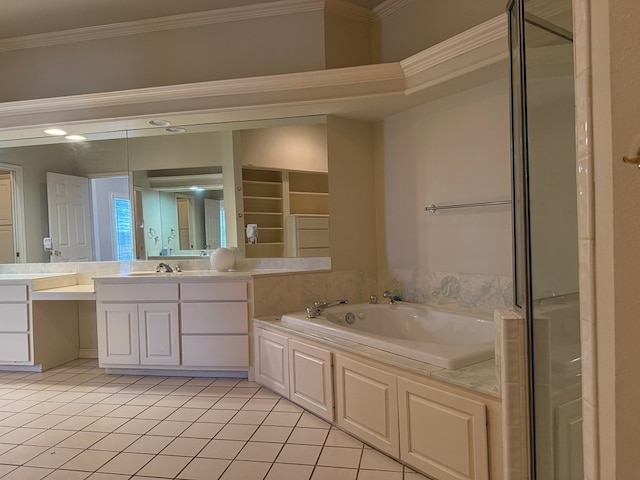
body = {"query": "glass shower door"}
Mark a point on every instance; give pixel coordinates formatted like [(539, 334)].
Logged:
[(545, 229)]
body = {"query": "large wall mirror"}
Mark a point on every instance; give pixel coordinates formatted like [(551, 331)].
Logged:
[(165, 191)]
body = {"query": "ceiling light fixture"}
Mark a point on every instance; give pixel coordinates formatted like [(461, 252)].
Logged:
[(159, 123), (76, 138), (55, 131), (175, 130)]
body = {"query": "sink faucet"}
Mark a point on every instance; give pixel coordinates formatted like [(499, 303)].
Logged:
[(318, 307), (163, 267), (389, 295)]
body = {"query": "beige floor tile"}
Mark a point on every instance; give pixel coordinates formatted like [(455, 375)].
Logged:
[(149, 444), (200, 402), (265, 404), (214, 391), (308, 436), (226, 449), (231, 403), (242, 470), (89, 460), (138, 426), (300, 454), (76, 423), (105, 424), (21, 435), (217, 416), (338, 438), (309, 420), (378, 475), (21, 454), (283, 419), (204, 469), (236, 432), (202, 430), (164, 466), (107, 476), (187, 414), (54, 457), (115, 442), (332, 473), (49, 438), (226, 382), (169, 428), (249, 417), (126, 463), (47, 421), (282, 471), (285, 405), (242, 392), (260, 452), (340, 457), (374, 460), (82, 439), (19, 419), (28, 473), (185, 447), (414, 476), (70, 408), (67, 475), (266, 393), (99, 410), (156, 413), (269, 433), (125, 411), (4, 469)]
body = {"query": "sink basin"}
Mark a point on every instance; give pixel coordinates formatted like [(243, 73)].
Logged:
[(148, 274)]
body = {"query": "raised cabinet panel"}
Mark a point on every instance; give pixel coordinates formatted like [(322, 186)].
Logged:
[(118, 342), (14, 347), (15, 317), (159, 334), (213, 291), (272, 361), (568, 430), (215, 318), (215, 351), (310, 378), (367, 404), (138, 292), (13, 293), (442, 434)]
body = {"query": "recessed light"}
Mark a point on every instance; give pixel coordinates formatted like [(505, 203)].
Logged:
[(55, 131), (76, 138), (197, 189), (175, 130), (159, 123)]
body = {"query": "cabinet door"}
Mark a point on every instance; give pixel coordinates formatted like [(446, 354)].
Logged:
[(272, 361), (310, 379), (367, 404), (442, 434), (118, 334), (14, 348), (159, 334)]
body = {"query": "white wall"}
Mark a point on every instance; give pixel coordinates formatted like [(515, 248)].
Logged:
[(453, 150)]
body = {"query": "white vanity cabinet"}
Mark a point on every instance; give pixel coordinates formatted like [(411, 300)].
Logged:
[(15, 329), (215, 327), (138, 324)]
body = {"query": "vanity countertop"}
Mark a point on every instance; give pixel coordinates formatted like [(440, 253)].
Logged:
[(480, 377), (39, 281), (186, 275)]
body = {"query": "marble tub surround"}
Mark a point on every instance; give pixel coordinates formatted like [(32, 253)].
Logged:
[(480, 377), (293, 292), (479, 293)]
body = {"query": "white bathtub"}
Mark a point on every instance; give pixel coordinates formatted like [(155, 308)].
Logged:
[(444, 339)]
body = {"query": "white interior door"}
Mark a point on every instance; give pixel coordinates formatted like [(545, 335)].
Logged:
[(69, 218), (212, 223)]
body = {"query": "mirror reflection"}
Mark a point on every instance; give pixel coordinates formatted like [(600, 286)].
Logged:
[(260, 187)]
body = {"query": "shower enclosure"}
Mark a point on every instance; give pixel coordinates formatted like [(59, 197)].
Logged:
[(545, 230)]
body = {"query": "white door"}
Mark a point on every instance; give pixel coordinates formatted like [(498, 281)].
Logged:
[(212, 223), (69, 218)]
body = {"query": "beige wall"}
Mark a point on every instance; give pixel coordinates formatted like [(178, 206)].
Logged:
[(453, 150), (277, 44), (616, 102), (420, 24)]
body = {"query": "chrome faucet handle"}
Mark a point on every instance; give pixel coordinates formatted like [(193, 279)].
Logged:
[(177, 268), (389, 295)]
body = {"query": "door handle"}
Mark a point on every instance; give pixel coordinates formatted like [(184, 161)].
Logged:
[(57, 253)]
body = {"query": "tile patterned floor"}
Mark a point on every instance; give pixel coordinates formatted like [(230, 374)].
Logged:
[(75, 422)]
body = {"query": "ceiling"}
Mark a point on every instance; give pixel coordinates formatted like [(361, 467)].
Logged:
[(28, 17)]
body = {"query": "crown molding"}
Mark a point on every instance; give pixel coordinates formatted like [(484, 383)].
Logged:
[(478, 47), (382, 79), (387, 8), (233, 14)]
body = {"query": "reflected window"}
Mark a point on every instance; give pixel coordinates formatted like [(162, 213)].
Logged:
[(123, 239)]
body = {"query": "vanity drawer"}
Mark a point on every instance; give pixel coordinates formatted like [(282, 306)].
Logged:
[(215, 351), (312, 223), (14, 347), (313, 238), (223, 317), (15, 317), (138, 292), (13, 293), (214, 291)]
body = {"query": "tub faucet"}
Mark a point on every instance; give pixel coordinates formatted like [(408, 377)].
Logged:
[(318, 307), (389, 295), (163, 267)]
